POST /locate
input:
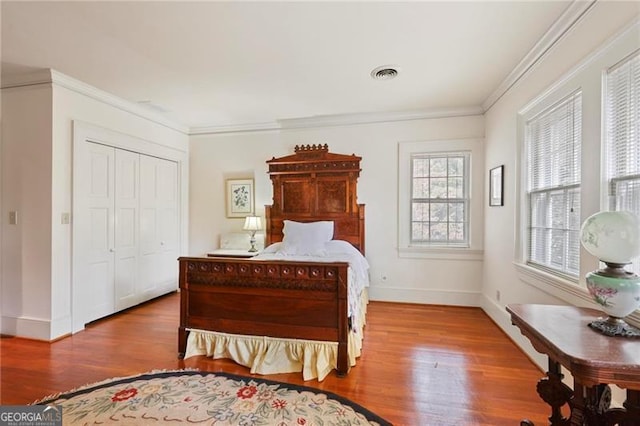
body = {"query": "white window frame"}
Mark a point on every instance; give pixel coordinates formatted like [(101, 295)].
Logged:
[(613, 177), (411, 249), (547, 192), (560, 285)]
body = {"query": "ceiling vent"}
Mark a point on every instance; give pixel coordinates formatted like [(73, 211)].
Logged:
[(385, 72)]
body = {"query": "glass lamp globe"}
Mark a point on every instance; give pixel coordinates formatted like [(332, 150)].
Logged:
[(614, 238)]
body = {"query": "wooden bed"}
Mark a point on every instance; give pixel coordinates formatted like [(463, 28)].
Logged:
[(280, 298)]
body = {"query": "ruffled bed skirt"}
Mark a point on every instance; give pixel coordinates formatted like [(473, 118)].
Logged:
[(269, 355)]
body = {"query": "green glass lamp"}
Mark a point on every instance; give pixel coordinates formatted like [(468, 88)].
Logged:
[(614, 238)]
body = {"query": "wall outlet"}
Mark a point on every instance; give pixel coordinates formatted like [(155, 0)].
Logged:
[(65, 219), (13, 218)]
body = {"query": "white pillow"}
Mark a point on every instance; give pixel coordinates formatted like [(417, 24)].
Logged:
[(306, 239)]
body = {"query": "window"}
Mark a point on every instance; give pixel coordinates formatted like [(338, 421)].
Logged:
[(440, 199), (440, 202), (622, 136), (553, 145)]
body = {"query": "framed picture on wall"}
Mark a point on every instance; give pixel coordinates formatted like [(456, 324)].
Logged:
[(496, 182), (239, 197)]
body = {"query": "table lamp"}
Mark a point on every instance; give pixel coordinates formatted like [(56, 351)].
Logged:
[(252, 224), (614, 238)]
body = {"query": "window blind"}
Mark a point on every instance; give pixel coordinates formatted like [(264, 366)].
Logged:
[(622, 135), (553, 140)]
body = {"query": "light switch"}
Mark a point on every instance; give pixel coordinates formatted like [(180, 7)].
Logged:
[(13, 218), (65, 218)]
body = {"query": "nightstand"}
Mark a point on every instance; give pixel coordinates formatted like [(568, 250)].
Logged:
[(232, 253)]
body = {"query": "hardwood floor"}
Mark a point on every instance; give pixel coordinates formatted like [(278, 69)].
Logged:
[(421, 365)]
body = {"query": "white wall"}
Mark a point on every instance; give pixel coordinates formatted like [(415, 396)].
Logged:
[(502, 147), (26, 189), (37, 181), (214, 158)]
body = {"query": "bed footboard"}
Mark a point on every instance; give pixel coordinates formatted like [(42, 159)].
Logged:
[(282, 299)]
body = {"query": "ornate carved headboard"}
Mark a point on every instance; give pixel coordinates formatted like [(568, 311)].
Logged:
[(314, 184)]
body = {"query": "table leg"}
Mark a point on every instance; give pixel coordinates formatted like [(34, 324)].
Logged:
[(578, 404), (598, 412), (555, 393)]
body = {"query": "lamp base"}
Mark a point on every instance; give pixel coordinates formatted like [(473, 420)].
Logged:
[(612, 326), (252, 241)]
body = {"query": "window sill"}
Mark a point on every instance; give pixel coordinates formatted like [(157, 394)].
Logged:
[(440, 253), (563, 289)]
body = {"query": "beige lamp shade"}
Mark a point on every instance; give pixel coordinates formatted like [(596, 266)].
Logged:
[(252, 223)]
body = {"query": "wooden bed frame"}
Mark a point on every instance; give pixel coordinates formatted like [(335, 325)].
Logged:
[(283, 299)]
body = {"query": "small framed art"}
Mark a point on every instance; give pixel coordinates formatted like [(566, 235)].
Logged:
[(239, 197), (496, 183)]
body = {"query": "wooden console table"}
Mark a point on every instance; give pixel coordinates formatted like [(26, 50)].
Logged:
[(594, 360)]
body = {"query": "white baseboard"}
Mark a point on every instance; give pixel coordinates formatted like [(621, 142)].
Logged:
[(60, 327), (30, 328), (501, 317), (430, 297)]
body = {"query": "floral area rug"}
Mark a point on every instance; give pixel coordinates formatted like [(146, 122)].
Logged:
[(197, 397)]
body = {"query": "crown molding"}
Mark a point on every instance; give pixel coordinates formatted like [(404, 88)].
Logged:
[(382, 117), (51, 76), (569, 18), (338, 120), (238, 128), (34, 78)]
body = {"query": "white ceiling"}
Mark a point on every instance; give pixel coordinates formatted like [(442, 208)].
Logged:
[(226, 64)]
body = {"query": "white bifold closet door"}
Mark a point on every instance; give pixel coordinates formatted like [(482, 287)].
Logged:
[(125, 229), (158, 226), (94, 225), (128, 219)]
